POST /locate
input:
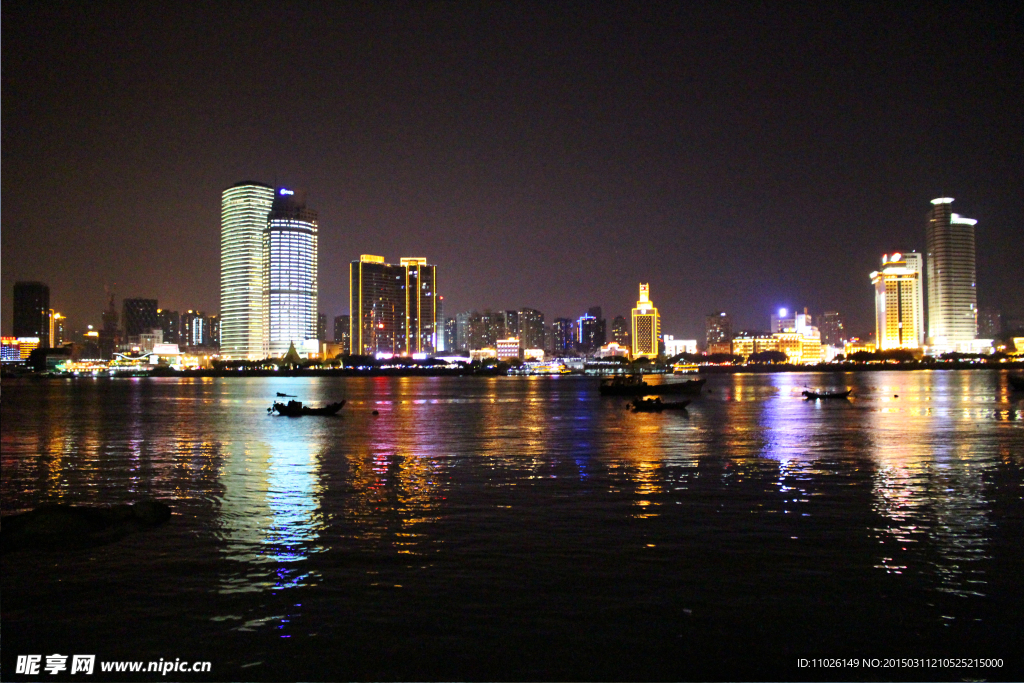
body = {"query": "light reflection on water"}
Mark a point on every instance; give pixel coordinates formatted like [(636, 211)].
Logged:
[(461, 489)]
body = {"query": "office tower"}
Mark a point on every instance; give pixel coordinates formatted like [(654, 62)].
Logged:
[(243, 217), (32, 311), (899, 310), (450, 335), (531, 328), (832, 330), (420, 305), (139, 316), (990, 322), (589, 332), (620, 331), (646, 326), (952, 296), (289, 275), (343, 333), (195, 329), (170, 324), (377, 306), (717, 328), (562, 338), (598, 336)]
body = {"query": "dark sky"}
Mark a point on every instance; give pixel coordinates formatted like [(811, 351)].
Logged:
[(736, 156)]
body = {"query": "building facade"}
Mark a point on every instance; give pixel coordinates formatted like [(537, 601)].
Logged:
[(899, 308), (717, 328), (376, 306), (170, 325), (951, 277), (243, 218), (531, 328), (646, 326), (833, 332), (32, 311), (139, 316), (420, 305), (290, 279)]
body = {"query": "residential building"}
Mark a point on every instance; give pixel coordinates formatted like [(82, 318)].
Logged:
[(951, 278), (620, 331), (343, 333), (420, 305), (561, 335), (170, 325), (833, 333), (717, 328), (243, 219), (531, 328), (990, 322)]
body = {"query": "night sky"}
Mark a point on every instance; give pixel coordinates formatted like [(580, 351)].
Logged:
[(738, 157)]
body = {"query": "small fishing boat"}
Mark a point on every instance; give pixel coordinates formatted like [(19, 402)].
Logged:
[(296, 409), (815, 395), (285, 395), (656, 405), (1016, 382)]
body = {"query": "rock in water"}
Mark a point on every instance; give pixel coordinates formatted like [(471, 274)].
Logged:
[(64, 527)]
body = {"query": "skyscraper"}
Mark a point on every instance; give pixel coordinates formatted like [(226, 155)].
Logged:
[(343, 333), (899, 309), (833, 333), (561, 333), (531, 328), (243, 218), (376, 306), (170, 324), (290, 275), (32, 311), (140, 316), (952, 293), (420, 305), (717, 328), (620, 331), (646, 326)]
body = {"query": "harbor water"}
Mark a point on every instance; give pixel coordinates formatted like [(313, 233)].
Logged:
[(518, 528)]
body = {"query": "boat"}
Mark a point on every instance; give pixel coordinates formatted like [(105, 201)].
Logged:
[(296, 409), (1016, 383), (624, 385), (285, 395), (656, 405), (815, 395), (692, 387)]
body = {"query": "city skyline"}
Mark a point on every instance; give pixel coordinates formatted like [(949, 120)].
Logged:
[(549, 160)]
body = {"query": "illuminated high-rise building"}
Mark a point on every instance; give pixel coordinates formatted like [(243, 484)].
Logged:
[(32, 311), (951, 281), (376, 306), (717, 328), (899, 308), (620, 331), (243, 218), (531, 328), (290, 275), (562, 338), (646, 326), (170, 325), (420, 305), (833, 333)]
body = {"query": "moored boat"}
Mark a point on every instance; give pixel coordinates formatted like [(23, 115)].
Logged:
[(623, 385), (296, 409), (656, 405), (814, 395)]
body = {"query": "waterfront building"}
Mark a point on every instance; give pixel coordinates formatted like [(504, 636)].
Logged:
[(833, 332), (170, 325), (509, 348), (377, 306), (213, 321), (243, 219), (57, 328), (440, 331), (343, 333), (511, 323), (620, 331), (612, 350), (32, 311), (290, 278), (646, 328), (561, 337), (195, 329), (139, 316), (321, 327), (717, 328), (588, 335), (450, 335), (420, 305), (899, 308), (674, 347), (462, 328), (990, 322), (951, 278), (746, 344), (531, 328)]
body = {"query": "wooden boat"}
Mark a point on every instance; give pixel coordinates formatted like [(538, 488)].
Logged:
[(1016, 383), (815, 395), (656, 405), (296, 409), (624, 385), (689, 387), (285, 395)]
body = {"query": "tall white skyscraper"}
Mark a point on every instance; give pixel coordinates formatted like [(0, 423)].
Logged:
[(243, 217), (290, 275), (899, 307), (952, 293)]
